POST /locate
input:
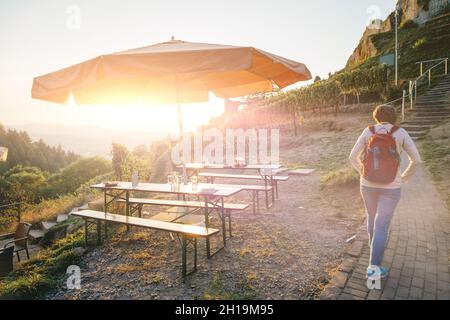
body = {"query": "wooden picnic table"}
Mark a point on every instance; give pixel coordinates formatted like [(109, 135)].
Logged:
[(212, 199), (266, 171), (202, 166)]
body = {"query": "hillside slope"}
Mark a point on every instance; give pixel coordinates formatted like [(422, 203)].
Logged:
[(430, 40)]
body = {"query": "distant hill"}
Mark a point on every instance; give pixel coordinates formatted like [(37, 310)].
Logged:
[(86, 140)]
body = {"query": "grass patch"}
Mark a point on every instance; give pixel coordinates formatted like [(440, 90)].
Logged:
[(340, 177), (240, 290), (40, 274), (435, 152)]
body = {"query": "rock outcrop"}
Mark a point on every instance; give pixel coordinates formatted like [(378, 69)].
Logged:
[(419, 11)]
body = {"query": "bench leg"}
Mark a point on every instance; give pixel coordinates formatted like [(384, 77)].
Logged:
[(195, 254), (224, 223), (208, 244), (229, 224), (184, 251), (273, 191), (254, 193), (140, 210), (99, 232), (257, 202), (276, 189)]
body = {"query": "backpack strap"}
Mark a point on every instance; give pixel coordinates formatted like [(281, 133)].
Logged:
[(394, 129), (372, 129)]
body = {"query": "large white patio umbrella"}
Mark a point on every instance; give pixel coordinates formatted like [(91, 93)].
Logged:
[(173, 72)]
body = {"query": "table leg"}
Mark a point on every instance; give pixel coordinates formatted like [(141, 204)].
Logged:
[(85, 232), (266, 192), (105, 198), (224, 223), (208, 244), (183, 255), (127, 207), (195, 254), (273, 188)]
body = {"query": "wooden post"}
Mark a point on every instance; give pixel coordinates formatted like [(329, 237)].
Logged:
[(415, 90), (411, 88), (429, 78), (421, 68), (19, 211), (446, 66), (403, 105)]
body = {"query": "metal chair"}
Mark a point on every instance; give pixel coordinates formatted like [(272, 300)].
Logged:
[(20, 241), (6, 260)]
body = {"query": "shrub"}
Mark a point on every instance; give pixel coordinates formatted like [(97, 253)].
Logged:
[(419, 43)]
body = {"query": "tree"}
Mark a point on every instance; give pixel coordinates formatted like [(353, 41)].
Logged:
[(24, 183), (119, 156), (73, 176)]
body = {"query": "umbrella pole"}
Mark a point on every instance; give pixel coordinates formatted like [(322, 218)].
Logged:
[(179, 111)]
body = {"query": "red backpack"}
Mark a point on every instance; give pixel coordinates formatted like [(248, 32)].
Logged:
[(381, 159)]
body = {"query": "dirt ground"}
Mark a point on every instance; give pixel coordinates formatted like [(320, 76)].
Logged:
[(285, 252)]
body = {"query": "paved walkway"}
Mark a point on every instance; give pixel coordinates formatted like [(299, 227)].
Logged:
[(417, 252)]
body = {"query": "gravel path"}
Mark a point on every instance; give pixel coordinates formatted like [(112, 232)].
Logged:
[(283, 253)]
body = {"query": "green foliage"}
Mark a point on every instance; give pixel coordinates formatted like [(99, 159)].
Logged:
[(59, 229), (74, 175), (31, 185), (145, 161), (419, 43), (38, 275), (22, 151), (119, 155), (430, 41), (22, 184)]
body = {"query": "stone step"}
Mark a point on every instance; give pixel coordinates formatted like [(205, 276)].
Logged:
[(420, 122), (436, 92), (431, 105), (417, 128), (431, 113), (62, 218), (429, 109), (432, 101), (36, 234), (47, 225), (437, 118), (417, 134)]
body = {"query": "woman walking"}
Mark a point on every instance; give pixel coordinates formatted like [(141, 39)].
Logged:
[(381, 147)]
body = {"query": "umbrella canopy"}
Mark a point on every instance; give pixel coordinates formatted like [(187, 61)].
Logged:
[(168, 73)]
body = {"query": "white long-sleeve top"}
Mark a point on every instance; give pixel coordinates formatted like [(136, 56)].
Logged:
[(404, 143)]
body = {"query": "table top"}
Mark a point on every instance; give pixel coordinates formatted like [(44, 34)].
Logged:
[(202, 188), (224, 166)]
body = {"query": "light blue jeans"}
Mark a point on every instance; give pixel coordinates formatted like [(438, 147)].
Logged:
[(380, 204)]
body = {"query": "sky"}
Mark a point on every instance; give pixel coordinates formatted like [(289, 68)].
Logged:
[(38, 37)]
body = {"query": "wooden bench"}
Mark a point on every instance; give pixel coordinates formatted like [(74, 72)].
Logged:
[(189, 233), (269, 181), (140, 203)]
